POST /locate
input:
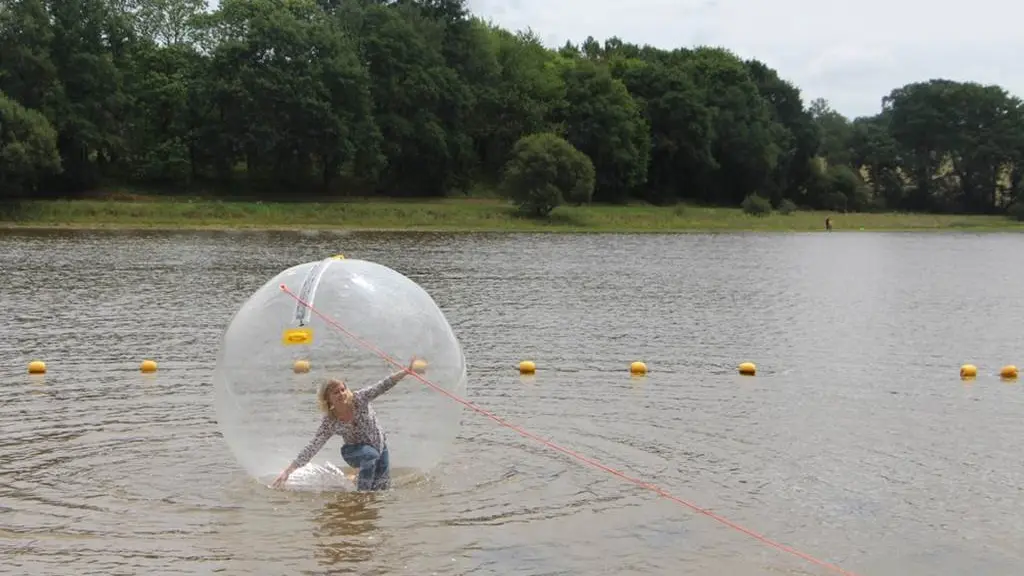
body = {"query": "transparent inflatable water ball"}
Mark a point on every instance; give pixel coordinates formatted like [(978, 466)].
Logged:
[(336, 318)]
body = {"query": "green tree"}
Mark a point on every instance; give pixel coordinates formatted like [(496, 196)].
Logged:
[(747, 142), (28, 148), (675, 108), (835, 131), (875, 153), (28, 73), (280, 98), (292, 98), (797, 135), (169, 22), (517, 99), (411, 90), (955, 140), (544, 171), (600, 118)]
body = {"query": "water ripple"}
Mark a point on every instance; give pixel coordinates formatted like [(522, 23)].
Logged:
[(856, 442)]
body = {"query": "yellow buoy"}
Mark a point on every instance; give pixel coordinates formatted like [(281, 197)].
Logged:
[(748, 369), (1008, 372), (968, 371), (300, 366), (147, 366), (419, 366), (37, 367), (638, 368), (527, 367)]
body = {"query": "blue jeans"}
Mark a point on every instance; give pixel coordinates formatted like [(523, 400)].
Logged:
[(374, 467)]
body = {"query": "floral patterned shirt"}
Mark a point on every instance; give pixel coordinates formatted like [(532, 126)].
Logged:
[(363, 429)]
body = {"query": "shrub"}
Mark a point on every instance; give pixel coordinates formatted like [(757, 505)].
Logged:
[(1016, 211), (787, 206), (756, 205), (543, 171)]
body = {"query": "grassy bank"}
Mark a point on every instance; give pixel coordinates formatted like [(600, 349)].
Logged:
[(454, 215)]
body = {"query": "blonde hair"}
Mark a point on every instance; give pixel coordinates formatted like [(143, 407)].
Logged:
[(323, 396)]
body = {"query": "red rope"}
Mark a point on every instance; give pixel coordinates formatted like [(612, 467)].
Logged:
[(576, 455)]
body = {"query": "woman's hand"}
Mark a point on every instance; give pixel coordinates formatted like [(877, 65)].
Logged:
[(283, 477), (417, 365)]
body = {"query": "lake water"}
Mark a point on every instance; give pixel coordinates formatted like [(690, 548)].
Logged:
[(856, 443)]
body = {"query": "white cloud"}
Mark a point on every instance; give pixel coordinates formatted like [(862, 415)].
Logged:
[(851, 53)]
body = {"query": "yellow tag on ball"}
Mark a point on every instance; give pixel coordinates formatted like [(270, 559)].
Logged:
[(295, 336)]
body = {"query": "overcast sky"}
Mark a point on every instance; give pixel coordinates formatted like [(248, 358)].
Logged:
[(850, 53)]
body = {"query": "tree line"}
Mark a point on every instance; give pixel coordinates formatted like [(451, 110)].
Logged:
[(279, 98)]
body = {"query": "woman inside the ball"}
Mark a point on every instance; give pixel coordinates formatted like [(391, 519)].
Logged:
[(348, 413)]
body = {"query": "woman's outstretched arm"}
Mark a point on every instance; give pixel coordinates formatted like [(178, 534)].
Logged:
[(373, 391), (323, 434)]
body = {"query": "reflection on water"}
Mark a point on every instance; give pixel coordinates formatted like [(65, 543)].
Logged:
[(856, 442), (347, 529)]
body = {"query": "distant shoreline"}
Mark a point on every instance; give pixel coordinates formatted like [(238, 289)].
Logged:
[(455, 215)]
